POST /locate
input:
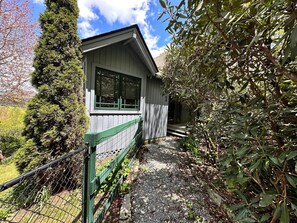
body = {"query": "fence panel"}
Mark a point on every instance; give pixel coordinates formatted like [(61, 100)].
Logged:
[(77, 187), (50, 193), (104, 174)]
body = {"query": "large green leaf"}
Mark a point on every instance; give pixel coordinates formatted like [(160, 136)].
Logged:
[(265, 217), (162, 3), (293, 38), (292, 180), (266, 199), (285, 218), (275, 160), (291, 155), (256, 165), (277, 211)]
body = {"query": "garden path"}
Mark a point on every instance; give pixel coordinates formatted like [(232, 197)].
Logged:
[(166, 190)]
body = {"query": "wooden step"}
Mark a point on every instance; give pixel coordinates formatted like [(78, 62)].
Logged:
[(174, 133), (182, 131)]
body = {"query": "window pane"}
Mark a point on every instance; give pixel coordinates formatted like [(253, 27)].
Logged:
[(113, 89), (130, 92), (107, 89)]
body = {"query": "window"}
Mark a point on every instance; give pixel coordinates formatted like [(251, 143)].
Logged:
[(116, 91)]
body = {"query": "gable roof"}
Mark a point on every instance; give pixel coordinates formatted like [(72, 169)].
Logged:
[(129, 35)]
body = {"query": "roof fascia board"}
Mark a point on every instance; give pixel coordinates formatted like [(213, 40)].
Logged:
[(146, 55), (94, 44)]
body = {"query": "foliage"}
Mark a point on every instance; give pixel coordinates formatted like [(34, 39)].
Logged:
[(201, 151), (11, 126), (10, 144), (27, 157), (17, 39), (55, 120), (234, 64), (191, 144)]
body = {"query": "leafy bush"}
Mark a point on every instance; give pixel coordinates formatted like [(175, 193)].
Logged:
[(27, 157), (10, 144), (190, 143), (234, 63)]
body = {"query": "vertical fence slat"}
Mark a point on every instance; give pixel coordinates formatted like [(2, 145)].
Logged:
[(88, 195)]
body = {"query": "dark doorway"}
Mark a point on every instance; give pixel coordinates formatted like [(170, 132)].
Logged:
[(174, 111)]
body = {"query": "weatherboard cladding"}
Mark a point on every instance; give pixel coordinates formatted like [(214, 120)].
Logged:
[(118, 31), (119, 58), (156, 110)]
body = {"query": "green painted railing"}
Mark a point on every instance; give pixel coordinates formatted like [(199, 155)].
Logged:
[(93, 182)]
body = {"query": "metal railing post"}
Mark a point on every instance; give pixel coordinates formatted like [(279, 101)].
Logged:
[(88, 188)]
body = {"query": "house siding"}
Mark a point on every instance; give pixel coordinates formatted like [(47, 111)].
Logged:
[(156, 110), (121, 58), (117, 142)]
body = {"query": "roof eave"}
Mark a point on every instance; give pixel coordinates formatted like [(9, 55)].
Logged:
[(150, 63), (129, 33)]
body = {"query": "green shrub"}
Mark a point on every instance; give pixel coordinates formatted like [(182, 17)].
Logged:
[(27, 157), (10, 144), (234, 64)]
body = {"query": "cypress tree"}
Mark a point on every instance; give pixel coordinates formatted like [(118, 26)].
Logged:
[(56, 120)]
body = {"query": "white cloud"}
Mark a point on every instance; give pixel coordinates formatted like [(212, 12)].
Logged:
[(86, 29), (86, 10), (125, 12)]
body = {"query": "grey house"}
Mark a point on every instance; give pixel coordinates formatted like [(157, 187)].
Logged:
[(121, 82)]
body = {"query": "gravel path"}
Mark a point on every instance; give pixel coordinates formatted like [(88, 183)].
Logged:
[(166, 190)]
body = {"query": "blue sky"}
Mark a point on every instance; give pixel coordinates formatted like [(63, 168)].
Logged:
[(100, 16)]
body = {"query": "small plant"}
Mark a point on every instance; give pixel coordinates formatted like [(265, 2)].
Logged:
[(42, 196), (125, 187), (189, 204), (190, 143), (191, 215), (4, 213)]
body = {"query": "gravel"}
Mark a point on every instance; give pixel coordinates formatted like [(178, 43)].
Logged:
[(166, 190)]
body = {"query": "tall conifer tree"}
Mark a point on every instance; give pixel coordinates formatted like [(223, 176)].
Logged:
[(56, 120)]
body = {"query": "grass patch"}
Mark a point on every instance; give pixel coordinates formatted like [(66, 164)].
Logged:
[(8, 172), (11, 120)]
